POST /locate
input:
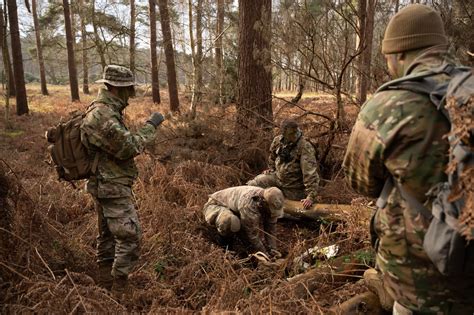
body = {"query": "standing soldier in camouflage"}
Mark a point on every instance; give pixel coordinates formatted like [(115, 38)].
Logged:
[(245, 210), (105, 134), (400, 135), (292, 166)]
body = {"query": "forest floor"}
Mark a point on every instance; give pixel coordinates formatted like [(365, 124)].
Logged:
[(48, 227)]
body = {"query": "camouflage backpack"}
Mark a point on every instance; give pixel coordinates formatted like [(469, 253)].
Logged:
[(447, 240), (71, 158)]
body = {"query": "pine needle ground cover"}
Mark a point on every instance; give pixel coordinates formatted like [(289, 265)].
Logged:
[(48, 228)]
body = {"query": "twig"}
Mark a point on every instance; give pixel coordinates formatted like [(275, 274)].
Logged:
[(14, 271), (77, 291), (305, 110), (45, 264)]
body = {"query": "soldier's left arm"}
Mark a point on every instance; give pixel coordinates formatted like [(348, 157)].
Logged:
[(309, 168)]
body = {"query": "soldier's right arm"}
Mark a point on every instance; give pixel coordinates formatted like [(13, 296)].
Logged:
[(363, 161), (250, 223), (105, 130)]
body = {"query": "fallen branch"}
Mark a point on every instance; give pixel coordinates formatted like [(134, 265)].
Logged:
[(331, 212)]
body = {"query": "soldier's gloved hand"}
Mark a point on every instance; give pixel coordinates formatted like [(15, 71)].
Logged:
[(155, 119), (307, 203)]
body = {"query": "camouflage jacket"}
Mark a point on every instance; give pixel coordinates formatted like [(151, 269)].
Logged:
[(399, 133), (246, 203), (295, 165), (103, 131)]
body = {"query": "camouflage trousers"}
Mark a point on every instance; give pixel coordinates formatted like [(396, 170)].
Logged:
[(225, 221), (271, 180), (119, 236)]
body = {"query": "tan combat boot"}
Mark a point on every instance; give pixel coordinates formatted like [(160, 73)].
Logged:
[(104, 279), (120, 287), (373, 280)]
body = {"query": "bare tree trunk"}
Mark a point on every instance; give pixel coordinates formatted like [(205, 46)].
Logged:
[(169, 54), (133, 18), (39, 49), (199, 84), (70, 53), (193, 59), (155, 85), (98, 41), (367, 54), (254, 106), (6, 62), (85, 65), (219, 57), (19, 74), (361, 45), (397, 5), (6, 65)]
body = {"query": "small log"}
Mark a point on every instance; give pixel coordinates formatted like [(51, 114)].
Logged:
[(330, 212), (361, 304)]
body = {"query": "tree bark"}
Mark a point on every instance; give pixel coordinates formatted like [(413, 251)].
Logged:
[(85, 65), (169, 54), (6, 65), (193, 59), (133, 18), (361, 46), (219, 55), (18, 72), (6, 58), (39, 49), (71, 63), (254, 106), (155, 85), (199, 84), (367, 54)]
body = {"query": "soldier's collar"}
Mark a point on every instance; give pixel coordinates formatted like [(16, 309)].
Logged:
[(108, 98)]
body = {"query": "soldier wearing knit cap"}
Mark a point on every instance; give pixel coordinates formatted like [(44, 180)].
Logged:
[(399, 134)]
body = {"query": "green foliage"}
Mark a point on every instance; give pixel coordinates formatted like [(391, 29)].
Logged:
[(53, 17), (159, 268)]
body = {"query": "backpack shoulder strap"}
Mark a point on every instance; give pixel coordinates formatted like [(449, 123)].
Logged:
[(422, 83)]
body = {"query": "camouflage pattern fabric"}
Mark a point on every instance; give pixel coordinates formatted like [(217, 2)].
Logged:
[(119, 237), (245, 203), (293, 169), (117, 76), (104, 132), (401, 134)]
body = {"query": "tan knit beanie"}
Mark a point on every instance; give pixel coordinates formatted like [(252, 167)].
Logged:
[(415, 26)]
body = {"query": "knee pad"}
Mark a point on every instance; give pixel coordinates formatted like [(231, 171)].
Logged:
[(124, 228), (227, 223)]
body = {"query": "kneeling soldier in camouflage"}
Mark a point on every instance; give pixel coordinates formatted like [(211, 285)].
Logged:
[(243, 210), (292, 166), (105, 134)]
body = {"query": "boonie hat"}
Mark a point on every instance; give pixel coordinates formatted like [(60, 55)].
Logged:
[(117, 76)]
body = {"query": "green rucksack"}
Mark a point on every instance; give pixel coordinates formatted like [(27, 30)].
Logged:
[(71, 158), (448, 238)]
